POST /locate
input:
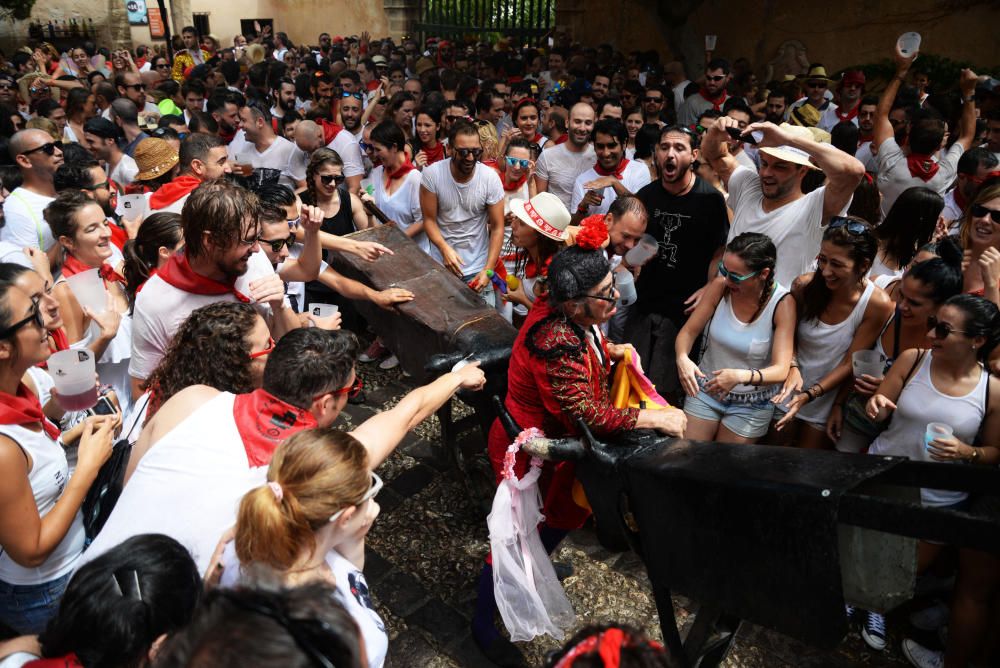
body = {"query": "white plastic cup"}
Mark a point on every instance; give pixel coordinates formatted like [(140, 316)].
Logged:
[(257, 268), (644, 251), (936, 430), (625, 284), (88, 288), (868, 363), (323, 310), (710, 41), (131, 206), (908, 43), (72, 372)]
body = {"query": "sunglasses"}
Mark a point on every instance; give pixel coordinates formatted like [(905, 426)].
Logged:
[(611, 297), (327, 179), (941, 329), (98, 186), (372, 492), (357, 96), (980, 211), (266, 351), (365, 146), (715, 78), (163, 66), (453, 119), (853, 226), (6, 86), (517, 162), (735, 278), (352, 391), (276, 244), (653, 100), (466, 152), (35, 318), (48, 148), (138, 86), (816, 84)]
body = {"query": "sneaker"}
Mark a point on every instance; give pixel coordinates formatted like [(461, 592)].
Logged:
[(930, 618), (873, 632), (920, 656), (376, 351), (390, 362)]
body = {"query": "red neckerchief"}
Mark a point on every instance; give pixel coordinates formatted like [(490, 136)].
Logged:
[(173, 191), (59, 340), (532, 270), (716, 102), (960, 200), (849, 116), (330, 129), (24, 408), (227, 137), (264, 421), (178, 273), (398, 173), (922, 166), (515, 186), (863, 139), (73, 266), (562, 139), (68, 661), (617, 172), (118, 235), (538, 137), (435, 154)]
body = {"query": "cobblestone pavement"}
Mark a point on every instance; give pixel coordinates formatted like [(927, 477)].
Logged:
[(427, 548)]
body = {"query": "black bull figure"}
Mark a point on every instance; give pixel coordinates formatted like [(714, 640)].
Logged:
[(776, 536)]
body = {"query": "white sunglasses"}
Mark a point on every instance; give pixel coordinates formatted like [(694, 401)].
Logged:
[(370, 494)]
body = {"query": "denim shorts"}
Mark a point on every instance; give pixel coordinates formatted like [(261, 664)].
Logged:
[(28, 608), (749, 420)]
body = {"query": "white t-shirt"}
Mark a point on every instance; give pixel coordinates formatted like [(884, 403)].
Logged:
[(24, 220), (277, 156), (347, 147), (402, 206), (796, 228), (461, 211), (867, 158), (635, 176), (560, 167), (10, 252), (829, 118), (295, 291), (894, 176), (124, 172)]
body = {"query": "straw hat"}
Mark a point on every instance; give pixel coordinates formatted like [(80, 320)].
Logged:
[(545, 213), (790, 153), (155, 157), (815, 73), (423, 64)]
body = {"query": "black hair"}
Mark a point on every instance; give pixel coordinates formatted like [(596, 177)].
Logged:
[(909, 224), (202, 123), (646, 139), (869, 101), (694, 139), (926, 132), (975, 159), (169, 119), (9, 273), (117, 605), (942, 274), (74, 176), (609, 102), (196, 86), (758, 253), (389, 134), (982, 318), (275, 194), (307, 362), (866, 203), (573, 272), (196, 147), (737, 104), (461, 128), (718, 64), (862, 249), (142, 254), (844, 136), (612, 127), (219, 100), (76, 99), (10, 178), (523, 142)]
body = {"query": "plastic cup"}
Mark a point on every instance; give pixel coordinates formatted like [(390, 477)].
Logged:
[(323, 310), (73, 374), (908, 43), (257, 268), (868, 363), (710, 41), (625, 284), (644, 251), (88, 288), (131, 206), (936, 430)]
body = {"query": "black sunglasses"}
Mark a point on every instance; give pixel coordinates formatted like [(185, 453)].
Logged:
[(816, 84), (6, 86), (49, 148), (466, 152), (135, 86), (657, 100), (715, 78), (165, 66), (611, 298), (980, 211), (327, 179), (276, 244), (98, 186), (853, 226), (942, 329), (35, 317)]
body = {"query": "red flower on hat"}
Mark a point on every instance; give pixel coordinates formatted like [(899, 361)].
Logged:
[(593, 233)]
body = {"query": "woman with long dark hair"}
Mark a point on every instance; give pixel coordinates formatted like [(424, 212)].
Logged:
[(79, 108), (427, 145), (159, 237), (908, 226)]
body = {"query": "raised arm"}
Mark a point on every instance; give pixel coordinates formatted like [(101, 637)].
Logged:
[(967, 124), (883, 128), (715, 149)]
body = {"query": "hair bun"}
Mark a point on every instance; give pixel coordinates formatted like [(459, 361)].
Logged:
[(950, 252)]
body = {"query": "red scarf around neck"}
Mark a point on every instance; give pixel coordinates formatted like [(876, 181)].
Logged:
[(922, 166), (863, 139), (397, 173), (562, 139), (264, 421), (850, 115), (178, 273), (59, 340), (173, 191), (105, 271), (24, 408), (330, 129), (435, 154), (617, 172), (716, 102), (537, 139), (514, 186)]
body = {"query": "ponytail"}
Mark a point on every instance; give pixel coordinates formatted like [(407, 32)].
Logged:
[(142, 254)]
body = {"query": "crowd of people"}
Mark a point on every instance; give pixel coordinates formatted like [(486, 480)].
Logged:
[(172, 216)]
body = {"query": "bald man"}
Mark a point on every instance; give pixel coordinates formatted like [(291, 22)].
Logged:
[(558, 167), (310, 136), (38, 157)]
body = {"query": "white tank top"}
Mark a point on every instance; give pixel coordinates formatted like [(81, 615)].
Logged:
[(48, 477), (187, 486), (920, 403), (821, 347), (734, 344)]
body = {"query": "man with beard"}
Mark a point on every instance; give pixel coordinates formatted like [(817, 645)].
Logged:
[(807, 111), (866, 132), (193, 92), (311, 135), (87, 176), (688, 219), (777, 107), (130, 86), (283, 94), (849, 92), (225, 110), (221, 243), (711, 95), (321, 88), (771, 201), (257, 145), (462, 202), (189, 56), (652, 105), (612, 176), (202, 158), (558, 167), (37, 157), (101, 137), (350, 113)]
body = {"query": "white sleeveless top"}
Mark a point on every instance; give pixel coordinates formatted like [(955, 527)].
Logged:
[(920, 403), (734, 344), (48, 477), (187, 486), (821, 347)]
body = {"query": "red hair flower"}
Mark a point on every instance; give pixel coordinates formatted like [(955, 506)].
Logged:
[(593, 233)]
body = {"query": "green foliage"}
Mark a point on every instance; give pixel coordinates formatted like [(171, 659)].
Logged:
[(16, 9), (943, 72)]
